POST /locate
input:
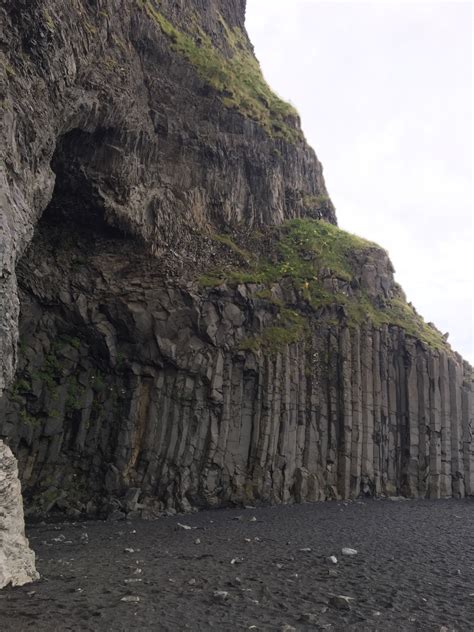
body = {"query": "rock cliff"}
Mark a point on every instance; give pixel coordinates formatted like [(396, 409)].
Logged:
[(17, 561), (194, 329)]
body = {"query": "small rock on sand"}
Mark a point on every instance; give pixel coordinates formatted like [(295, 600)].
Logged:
[(131, 599), (341, 602), (348, 551)]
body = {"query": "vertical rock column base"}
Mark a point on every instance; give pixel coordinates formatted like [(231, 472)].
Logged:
[(17, 560)]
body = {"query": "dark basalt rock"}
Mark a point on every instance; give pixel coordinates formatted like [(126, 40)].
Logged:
[(170, 356)]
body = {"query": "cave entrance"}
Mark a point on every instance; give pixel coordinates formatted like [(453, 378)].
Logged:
[(58, 414), (77, 201)]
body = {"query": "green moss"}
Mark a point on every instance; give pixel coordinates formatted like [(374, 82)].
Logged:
[(8, 68), (238, 78), (90, 28), (209, 280), (250, 343), (292, 328), (267, 295), (304, 248), (120, 43), (28, 419), (48, 20), (75, 396), (316, 201), (306, 251), (121, 361), (49, 374), (71, 340), (245, 256)]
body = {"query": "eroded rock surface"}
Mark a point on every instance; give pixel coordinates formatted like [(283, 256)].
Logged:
[(140, 390), (17, 561), (192, 334)]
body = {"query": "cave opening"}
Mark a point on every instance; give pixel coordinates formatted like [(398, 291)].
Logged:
[(76, 203), (70, 379)]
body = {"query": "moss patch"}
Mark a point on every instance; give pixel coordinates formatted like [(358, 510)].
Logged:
[(292, 328), (307, 252), (301, 249), (238, 78)]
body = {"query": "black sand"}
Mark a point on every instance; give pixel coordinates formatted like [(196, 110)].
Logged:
[(414, 570)]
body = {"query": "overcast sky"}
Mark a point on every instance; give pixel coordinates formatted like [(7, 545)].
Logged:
[(384, 90)]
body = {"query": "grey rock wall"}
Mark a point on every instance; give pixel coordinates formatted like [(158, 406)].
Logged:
[(135, 125), (137, 392), (138, 389)]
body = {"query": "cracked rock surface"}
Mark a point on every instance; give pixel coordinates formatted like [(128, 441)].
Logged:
[(182, 325), (17, 561)]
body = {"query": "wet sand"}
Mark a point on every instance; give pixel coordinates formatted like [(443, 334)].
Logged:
[(256, 569)]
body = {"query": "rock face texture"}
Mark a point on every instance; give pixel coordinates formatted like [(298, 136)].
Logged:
[(191, 332), (137, 389), (17, 561)]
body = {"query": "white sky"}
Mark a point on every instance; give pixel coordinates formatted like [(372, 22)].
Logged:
[(384, 90)]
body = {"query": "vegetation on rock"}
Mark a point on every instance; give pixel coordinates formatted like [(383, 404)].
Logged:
[(238, 78), (324, 264)]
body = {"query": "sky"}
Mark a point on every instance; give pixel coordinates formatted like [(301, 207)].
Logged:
[(384, 90)]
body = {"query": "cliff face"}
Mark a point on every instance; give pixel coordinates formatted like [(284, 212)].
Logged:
[(166, 130), (191, 332)]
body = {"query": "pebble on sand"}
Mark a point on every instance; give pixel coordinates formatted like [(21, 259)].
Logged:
[(341, 602), (349, 551), (131, 599)]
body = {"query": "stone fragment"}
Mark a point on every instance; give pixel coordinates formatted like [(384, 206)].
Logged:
[(130, 599), (341, 602), (348, 551), (17, 560)]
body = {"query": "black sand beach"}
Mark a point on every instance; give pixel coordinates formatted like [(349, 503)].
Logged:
[(256, 569)]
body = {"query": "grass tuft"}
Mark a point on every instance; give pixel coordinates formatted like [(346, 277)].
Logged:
[(309, 253), (238, 78)]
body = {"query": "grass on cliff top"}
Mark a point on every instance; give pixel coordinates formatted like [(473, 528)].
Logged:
[(308, 252), (237, 78), (304, 250)]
